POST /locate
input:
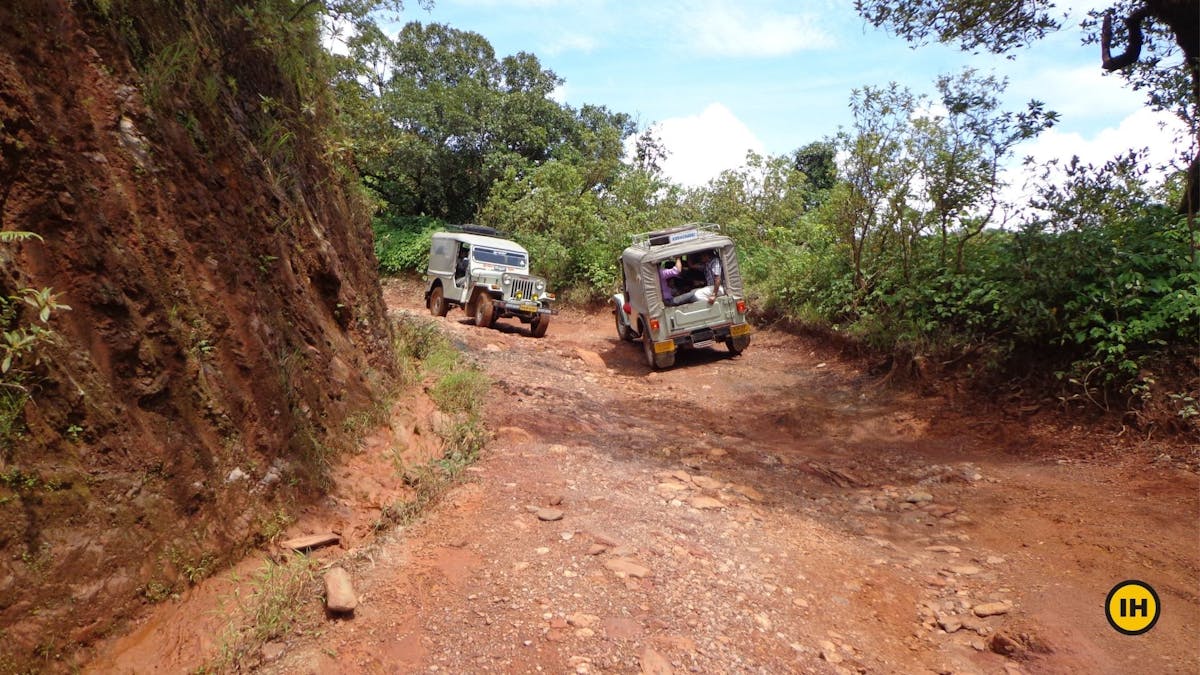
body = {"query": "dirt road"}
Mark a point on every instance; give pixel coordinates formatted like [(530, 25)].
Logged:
[(776, 512)]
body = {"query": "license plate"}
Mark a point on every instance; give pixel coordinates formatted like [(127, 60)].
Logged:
[(529, 307), (739, 329)]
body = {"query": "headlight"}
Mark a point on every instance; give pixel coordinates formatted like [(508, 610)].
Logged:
[(541, 286), (507, 281)]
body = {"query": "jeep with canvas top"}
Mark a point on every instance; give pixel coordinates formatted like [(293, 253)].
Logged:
[(482, 271), (707, 302)]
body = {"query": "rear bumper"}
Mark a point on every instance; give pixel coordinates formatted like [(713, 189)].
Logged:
[(739, 333)]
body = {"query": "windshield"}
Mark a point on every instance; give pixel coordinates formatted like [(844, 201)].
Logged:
[(498, 257)]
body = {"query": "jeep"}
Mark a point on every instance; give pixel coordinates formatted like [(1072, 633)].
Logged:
[(689, 320), (481, 270)]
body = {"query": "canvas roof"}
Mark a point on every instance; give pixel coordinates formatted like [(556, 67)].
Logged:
[(482, 240)]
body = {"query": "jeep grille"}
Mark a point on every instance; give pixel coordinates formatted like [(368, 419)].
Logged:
[(523, 288)]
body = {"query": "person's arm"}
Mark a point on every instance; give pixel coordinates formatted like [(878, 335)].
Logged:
[(716, 282), (716, 288)]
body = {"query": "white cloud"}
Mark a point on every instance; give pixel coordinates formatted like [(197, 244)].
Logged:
[(570, 42), (1079, 93), (1161, 135), (724, 29), (702, 146), (1142, 129)]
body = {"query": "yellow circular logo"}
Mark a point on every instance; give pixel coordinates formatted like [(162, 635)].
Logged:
[(1132, 607)]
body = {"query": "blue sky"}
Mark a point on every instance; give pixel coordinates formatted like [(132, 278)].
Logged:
[(720, 77)]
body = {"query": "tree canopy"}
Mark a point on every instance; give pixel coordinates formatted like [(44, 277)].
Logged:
[(436, 118)]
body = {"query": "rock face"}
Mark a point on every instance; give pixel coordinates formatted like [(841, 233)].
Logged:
[(226, 312)]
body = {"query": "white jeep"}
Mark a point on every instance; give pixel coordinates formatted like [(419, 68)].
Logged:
[(478, 269), (689, 319)]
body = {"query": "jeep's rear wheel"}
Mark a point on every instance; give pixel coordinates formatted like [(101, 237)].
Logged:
[(437, 302), (485, 312), (654, 359), (538, 325), (734, 350), (648, 348)]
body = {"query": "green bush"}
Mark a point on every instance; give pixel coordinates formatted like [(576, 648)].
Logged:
[(1100, 299), (402, 242), (1139, 295)]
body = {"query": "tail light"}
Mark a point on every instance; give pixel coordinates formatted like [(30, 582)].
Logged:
[(654, 325), (628, 308), (741, 306)]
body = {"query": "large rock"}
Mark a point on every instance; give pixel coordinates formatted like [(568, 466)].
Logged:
[(592, 359), (626, 568), (706, 503), (339, 592), (549, 515), (992, 608)]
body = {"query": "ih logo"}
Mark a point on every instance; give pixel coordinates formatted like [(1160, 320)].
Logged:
[(1132, 607)]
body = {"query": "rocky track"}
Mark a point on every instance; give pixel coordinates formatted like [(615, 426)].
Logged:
[(775, 512)]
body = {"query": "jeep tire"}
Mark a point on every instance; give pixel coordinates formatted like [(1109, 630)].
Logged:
[(624, 331), (732, 346), (654, 360), (538, 325), (437, 302), (485, 312)]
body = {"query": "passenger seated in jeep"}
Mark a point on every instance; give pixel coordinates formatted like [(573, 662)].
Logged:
[(707, 265), (463, 263), (668, 272), (692, 276)]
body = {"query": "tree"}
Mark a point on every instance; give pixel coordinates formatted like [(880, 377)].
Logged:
[(649, 152), (877, 177), (923, 174), (817, 161), (436, 118), (959, 153), (595, 141), (1146, 28)]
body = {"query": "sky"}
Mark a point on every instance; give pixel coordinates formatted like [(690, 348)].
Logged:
[(716, 78)]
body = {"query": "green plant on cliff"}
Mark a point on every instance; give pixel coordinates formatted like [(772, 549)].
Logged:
[(22, 338), (459, 389)]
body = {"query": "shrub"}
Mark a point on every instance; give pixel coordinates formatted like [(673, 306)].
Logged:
[(402, 243)]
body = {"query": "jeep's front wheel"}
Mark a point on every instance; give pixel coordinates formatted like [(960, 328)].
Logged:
[(623, 329), (538, 325), (485, 312), (437, 302)]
